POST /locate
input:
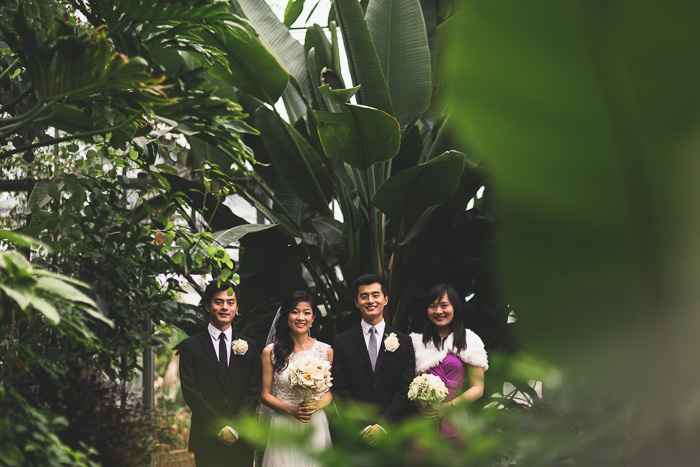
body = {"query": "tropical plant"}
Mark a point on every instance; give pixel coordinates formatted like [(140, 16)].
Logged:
[(38, 308), (370, 178), (86, 84), (108, 218)]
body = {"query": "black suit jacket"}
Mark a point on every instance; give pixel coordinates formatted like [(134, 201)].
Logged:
[(215, 399), (387, 386)]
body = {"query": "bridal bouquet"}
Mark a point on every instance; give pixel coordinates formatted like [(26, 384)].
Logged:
[(428, 390), (312, 376)]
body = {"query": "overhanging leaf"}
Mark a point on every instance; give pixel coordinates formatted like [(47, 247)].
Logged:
[(46, 309), (414, 190), (297, 163), (230, 236), (22, 299), (276, 38), (360, 137), (63, 290), (22, 240), (250, 66)]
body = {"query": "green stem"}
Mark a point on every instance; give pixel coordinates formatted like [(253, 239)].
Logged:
[(7, 70), (7, 107), (24, 119)]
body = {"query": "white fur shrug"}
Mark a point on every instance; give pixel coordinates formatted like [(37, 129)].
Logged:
[(427, 355)]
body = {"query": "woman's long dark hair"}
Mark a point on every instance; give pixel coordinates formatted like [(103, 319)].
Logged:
[(430, 331), (284, 345)]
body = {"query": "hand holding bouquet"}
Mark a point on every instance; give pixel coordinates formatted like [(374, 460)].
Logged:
[(427, 390)]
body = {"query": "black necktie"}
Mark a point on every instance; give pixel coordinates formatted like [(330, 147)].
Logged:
[(223, 360)]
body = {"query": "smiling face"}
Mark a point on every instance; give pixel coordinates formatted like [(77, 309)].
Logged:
[(441, 313), (222, 309), (300, 318), (371, 301)]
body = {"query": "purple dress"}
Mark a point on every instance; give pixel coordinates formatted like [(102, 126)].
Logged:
[(451, 370)]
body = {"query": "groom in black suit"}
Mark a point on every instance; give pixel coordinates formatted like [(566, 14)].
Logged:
[(220, 375), (373, 363)]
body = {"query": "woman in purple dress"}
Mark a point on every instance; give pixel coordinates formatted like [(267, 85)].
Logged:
[(455, 354)]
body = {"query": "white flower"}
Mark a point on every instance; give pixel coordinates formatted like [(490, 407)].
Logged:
[(391, 343), (427, 390), (239, 346), (312, 376)]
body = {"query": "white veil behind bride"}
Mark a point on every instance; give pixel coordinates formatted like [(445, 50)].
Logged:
[(265, 412)]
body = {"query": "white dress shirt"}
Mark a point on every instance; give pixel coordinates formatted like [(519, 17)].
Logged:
[(214, 334), (380, 333)]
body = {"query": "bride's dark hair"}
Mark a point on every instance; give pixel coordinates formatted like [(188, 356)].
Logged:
[(430, 332), (284, 345)]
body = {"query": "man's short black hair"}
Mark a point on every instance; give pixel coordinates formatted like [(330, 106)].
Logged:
[(214, 287), (367, 279)]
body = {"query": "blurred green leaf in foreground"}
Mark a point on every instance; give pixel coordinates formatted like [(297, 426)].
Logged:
[(588, 112)]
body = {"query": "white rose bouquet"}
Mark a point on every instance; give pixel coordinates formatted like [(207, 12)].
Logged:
[(312, 376), (428, 390)]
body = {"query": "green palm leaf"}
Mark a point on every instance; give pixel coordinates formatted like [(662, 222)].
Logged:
[(399, 35), (365, 67)]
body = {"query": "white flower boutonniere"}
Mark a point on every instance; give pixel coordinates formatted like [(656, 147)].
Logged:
[(391, 343), (239, 347)]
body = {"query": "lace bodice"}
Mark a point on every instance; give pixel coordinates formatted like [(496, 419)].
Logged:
[(283, 388)]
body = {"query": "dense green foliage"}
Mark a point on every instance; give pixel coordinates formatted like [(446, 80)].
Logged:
[(137, 120)]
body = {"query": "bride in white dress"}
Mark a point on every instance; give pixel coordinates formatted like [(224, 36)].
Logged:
[(291, 342)]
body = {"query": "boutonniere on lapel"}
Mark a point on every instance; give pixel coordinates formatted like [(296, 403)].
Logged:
[(239, 347), (391, 343)]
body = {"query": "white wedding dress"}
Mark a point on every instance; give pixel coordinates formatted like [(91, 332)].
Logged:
[(288, 455)]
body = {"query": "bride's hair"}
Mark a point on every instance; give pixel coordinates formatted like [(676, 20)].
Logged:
[(430, 332), (283, 344)]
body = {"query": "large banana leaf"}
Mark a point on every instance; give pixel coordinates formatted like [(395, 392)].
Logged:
[(275, 36), (249, 66), (364, 64), (297, 163), (360, 137), (589, 113), (399, 35), (412, 191)]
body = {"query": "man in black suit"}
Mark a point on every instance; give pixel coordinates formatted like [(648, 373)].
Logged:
[(372, 362), (220, 374)]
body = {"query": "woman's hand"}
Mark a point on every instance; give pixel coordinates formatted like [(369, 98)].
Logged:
[(304, 412), (435, 413)]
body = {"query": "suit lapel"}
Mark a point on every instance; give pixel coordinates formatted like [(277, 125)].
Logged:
[(359, 338), (208, 348), (232, 359), (382, 350)]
